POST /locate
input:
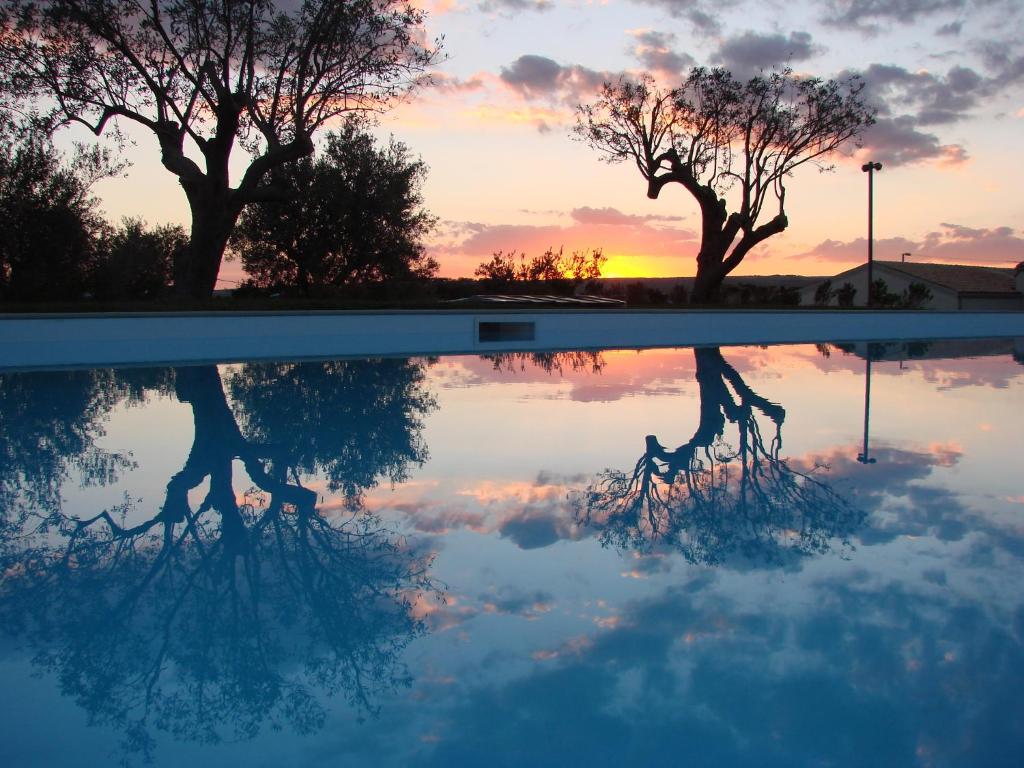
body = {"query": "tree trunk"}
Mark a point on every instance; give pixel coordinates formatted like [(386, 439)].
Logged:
[(710, 274), (214, 214)]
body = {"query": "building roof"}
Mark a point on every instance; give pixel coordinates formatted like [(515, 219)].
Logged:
[(961, 278)]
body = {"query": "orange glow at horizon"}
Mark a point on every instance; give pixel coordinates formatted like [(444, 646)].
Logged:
[(622, 266)]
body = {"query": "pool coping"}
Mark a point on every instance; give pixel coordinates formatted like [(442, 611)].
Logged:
[(138, 338)]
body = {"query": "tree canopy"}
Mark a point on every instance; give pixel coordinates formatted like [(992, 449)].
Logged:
[(206, 78), (354, 214), (714, 135), (50, 220)]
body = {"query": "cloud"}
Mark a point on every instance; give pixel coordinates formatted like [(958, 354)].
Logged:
[(513, 601), (855, 251), (937, 99), (702, 16), (869, 15), (450, 84), (655, 51), (424, 520), (538, 77), (865, 665), (509, 7), (959, 244), (897, 141), (909, 103), (615, 218), (534, 531), (747, 54), (1005, 59), (951, 244)]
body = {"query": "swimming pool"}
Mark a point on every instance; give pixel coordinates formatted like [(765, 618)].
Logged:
[(783, 555)]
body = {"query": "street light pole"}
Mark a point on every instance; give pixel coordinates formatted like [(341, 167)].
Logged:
[(869, 169)]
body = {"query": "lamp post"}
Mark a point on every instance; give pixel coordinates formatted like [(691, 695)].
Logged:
[(869, 169)]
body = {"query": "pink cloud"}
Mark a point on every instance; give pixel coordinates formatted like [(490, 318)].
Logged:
[(952, 244)]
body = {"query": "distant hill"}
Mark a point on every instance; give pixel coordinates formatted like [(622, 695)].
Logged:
[(666, 284)]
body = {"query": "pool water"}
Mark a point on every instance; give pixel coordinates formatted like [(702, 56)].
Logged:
[(771, 556)]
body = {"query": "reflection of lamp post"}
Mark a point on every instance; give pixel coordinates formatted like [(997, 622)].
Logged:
[(869, 169), (863, 457)]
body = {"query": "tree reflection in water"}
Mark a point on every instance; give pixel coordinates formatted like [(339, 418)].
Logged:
[(710, 500), (213, 620), (582, 360)]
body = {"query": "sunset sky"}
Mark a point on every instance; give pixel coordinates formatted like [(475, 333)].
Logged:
[(947, 77)]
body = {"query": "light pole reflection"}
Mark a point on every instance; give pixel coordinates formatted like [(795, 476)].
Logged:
[(863, 457)]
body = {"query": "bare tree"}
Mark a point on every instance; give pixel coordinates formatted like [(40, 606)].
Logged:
[(713, 134), (207, 77)]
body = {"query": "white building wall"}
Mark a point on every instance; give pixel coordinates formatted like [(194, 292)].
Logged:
[(897, 282), (1008, 303)]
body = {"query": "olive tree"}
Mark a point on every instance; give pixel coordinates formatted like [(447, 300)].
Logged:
[(205, 78), (354, 216), (714, 135)]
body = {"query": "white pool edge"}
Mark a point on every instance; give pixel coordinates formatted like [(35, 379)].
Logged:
[(31, 341)]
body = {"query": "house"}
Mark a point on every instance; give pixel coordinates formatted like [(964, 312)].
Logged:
[(952, 286)]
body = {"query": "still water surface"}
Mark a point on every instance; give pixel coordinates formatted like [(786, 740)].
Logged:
[(784, 556)]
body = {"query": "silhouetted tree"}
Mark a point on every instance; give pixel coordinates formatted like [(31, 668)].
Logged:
[(713, 133), (915, 296), (353, 215), (845, 295), (710, 500), (824, 294), (208, 77), (881, 296), (49, 220), (136, 262), (551, 266)]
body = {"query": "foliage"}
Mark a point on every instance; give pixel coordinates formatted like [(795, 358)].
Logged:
[(206, 78), (880, 295), (352, 421), (637, 293), (915, 296), (824, 294), (231, 610), (560, 363), (136, 262), (504, 269), (845, 295), (49, 219), (761, 295), (713, 135), (354, 215)]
